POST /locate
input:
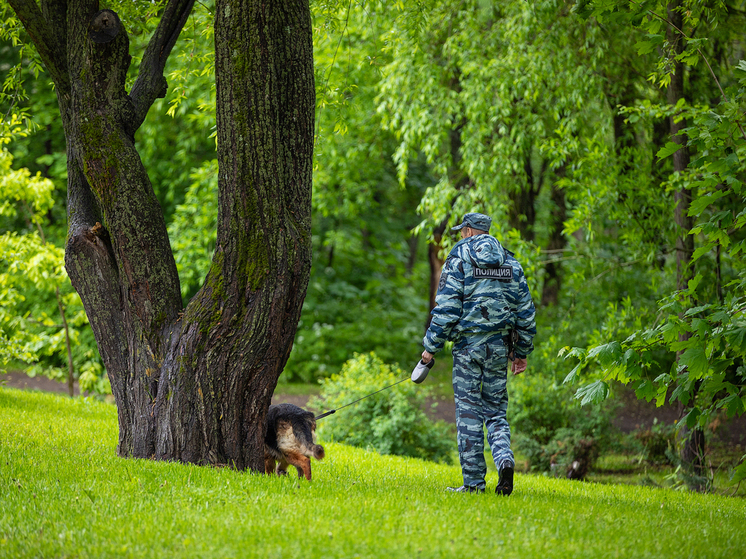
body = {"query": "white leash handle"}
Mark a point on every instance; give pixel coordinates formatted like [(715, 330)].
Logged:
[(420, 371)]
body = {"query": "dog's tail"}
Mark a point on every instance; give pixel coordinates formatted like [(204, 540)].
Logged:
[(305, 433), (318, 451)]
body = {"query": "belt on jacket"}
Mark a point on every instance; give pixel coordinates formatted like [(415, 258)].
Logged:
[(468, 341)]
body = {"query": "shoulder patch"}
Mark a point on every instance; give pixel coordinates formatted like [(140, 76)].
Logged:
[(442, 282), (504, 273)]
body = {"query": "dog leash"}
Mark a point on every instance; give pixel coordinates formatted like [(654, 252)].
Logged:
[(418, 375), (328, 413)]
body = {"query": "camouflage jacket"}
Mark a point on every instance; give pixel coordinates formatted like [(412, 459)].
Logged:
[(482, 294)]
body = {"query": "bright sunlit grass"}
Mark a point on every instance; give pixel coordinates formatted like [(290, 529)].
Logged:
[(64, 493)]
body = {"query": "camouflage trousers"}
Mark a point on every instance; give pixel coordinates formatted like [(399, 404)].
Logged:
[(480, 375)]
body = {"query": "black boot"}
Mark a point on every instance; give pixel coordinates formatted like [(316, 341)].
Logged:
[(505, 483)]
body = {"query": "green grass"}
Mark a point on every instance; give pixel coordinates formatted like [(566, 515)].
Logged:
[(65, 494)]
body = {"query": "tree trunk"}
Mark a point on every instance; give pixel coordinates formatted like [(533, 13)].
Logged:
[(522, 211), (557, 242), (460, 179), (694, 444), (191, 385), (436, 265)]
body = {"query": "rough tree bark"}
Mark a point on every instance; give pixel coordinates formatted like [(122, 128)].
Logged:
[(191, 384)]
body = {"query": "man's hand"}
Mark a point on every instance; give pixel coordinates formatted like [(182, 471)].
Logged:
[(518, 366), (427, 356)]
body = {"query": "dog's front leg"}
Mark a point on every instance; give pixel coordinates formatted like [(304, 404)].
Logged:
[(302, 464), (269, 465)]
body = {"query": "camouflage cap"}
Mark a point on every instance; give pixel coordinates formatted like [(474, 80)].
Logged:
[(475, 221)]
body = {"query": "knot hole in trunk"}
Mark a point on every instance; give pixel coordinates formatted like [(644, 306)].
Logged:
[(104, 26)]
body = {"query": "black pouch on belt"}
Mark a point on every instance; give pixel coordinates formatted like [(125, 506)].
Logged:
[(510, 340)]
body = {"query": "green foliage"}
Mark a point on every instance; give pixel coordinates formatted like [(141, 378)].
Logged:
[(66, 493), (367, 289), (658, 443), (363, 295), (703, 324), (177, 140), (391, 422), (35, 292), (710, 339), (739, 472), (193, 230), (34, 194), (34, 288), (510, 81), (20, 60), (548, 423), (550, 428), (428, 110), (339, 319)]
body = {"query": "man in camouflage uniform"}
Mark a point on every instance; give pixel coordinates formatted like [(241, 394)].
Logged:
[(482, 299)]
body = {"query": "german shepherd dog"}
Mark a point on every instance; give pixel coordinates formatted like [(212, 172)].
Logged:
[(290, 439)]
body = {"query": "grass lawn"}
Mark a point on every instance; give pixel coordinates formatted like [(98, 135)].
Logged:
[(64, 493)]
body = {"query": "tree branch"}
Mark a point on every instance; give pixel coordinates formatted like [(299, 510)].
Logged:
[(55, 14), (40, 30), (699, 51), (136, 269), (150, 83)]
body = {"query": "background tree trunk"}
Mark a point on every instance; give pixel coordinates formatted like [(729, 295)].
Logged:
[(460, 180), (436, 265), (522, 211), (557, 242), (191, 385), (692, 453)]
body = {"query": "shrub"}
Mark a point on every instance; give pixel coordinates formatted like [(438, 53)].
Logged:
[(658, 443), (390, 422), (553, 431)]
